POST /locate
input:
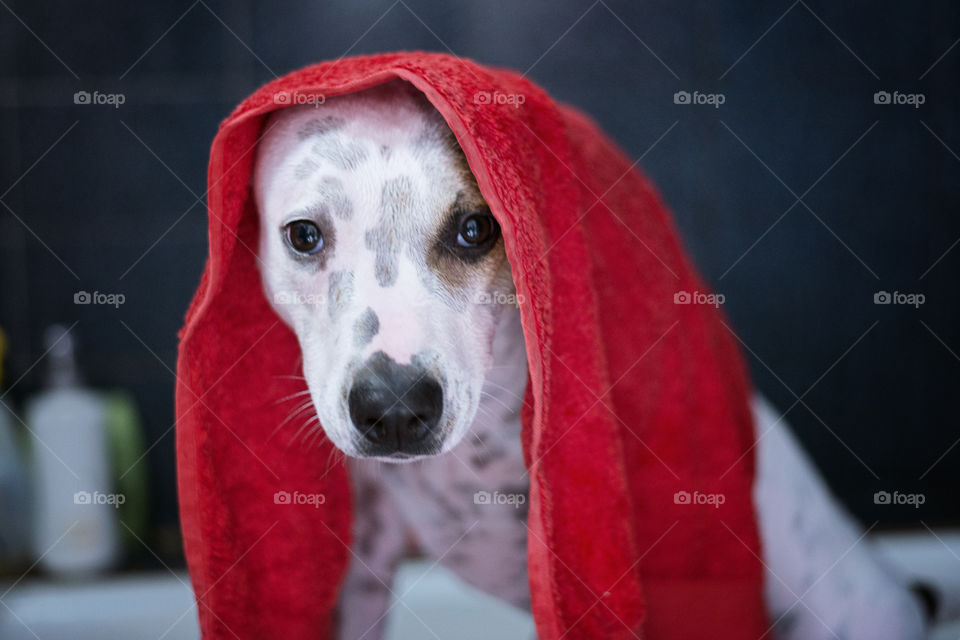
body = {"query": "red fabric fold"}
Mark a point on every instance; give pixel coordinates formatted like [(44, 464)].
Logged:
[(634, 398)]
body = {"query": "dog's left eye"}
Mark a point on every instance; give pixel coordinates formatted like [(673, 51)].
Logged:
[(477, 230), (304, 236), (469, 235)]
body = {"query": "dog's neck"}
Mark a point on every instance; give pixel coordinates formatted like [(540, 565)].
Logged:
[(505, 382)]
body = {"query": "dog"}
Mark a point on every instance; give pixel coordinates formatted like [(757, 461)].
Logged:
[(377, 248)]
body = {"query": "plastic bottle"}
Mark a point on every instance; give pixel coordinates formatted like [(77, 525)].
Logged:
[(75, 523)]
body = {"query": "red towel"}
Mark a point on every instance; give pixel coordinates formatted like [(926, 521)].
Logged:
[(635, 397)]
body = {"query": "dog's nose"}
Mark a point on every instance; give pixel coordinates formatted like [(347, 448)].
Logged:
[(394, 406)]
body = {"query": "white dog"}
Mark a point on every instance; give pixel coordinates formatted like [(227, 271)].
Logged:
[(392, 273)]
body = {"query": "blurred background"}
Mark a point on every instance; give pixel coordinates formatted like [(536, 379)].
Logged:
[(808, 149)]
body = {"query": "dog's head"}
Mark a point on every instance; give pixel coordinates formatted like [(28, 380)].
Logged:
[(379, 251)]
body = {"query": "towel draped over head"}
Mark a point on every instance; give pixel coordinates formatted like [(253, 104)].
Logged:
[(637, 416)]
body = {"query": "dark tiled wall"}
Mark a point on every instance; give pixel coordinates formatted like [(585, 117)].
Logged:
[(111, 199)]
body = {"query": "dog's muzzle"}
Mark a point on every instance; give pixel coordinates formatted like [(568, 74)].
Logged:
[(396, 408)]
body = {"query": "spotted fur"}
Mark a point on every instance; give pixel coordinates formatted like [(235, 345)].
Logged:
[(332, 194), (396, 199), (341, 293), (366, 328), (382, 184)]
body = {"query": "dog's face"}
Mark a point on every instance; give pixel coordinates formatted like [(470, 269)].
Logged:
[(378, 250)]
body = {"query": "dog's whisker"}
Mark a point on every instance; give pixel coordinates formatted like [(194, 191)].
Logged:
[(293, 395), (326, 467), (336, 456), (304, 427), (308, 434), (300, 437), (484, 411), (315, 433), (297, 411), (290, 417), (505, 389), (303, 405), (484, 416), (487, 394)]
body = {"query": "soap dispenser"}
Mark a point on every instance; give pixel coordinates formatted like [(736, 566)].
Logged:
[(75, 519)]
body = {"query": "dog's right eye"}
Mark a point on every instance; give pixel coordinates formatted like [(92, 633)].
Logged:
[(304, 237)]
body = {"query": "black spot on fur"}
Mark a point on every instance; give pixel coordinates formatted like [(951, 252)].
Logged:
[(335, 197), (319, 126), (305, 169), (395, 198), (482, 458), (370, 585), (366, 327), (346, 156), (340, 293)]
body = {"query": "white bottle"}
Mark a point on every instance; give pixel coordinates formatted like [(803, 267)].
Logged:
[(75, 518)]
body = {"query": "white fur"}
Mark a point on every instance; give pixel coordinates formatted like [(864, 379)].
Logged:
[(824, 579)]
